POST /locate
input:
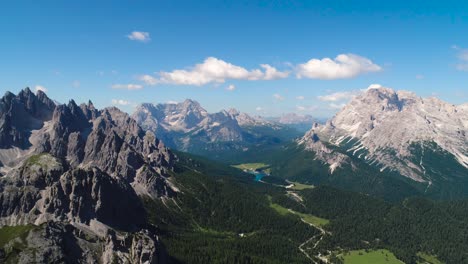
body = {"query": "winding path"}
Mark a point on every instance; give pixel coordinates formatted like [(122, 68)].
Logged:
[(322, 234)]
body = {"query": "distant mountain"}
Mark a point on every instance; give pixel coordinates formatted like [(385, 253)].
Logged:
[(397, 132), (300, 122), (77, 173), (244, 120), (187, 126)]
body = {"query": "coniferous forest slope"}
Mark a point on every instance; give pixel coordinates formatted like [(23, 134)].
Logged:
[(82, 185), (228, 218)]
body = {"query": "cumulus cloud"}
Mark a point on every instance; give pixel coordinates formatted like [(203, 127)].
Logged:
[(278, 97), (338, 96), (139, 36), (259, 109), (231, 87), (40, 88), (120, 102), (271, 73), (300, 97), (213, 70), (343, 66), (129, 86)]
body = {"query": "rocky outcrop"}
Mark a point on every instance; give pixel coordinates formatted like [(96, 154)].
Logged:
[(85, 137), (58, 242), (70, 169), (20, 114), (323, 153)]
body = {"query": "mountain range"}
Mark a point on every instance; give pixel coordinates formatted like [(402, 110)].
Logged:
[(187, 126), (299, 122), (83, 185)]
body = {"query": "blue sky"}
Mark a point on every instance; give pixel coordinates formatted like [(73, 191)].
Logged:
[(263, 50)]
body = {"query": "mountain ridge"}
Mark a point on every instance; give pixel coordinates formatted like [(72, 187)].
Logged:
[(391, 129), (187, 126), (85, 170)]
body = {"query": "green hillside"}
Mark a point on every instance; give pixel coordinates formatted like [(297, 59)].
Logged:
[(222, 216)]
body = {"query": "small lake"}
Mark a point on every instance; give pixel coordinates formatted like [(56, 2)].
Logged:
[(258, 175)]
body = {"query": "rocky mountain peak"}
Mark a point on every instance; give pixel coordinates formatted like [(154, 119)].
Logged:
[(83, 169), (385, 124), (191, 105), (233, 111), (20, 114), (383, 99)]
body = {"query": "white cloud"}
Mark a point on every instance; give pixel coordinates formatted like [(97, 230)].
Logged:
[(40, 88), (120, 102), (214, 70), (139, 36), (231, 87), (374, 86), (419, 76), (271, 73), (171, 102), (300, 97), (259, 108), (343, 66), (338, 96), (129, 86), (148, 79), (278, 97)]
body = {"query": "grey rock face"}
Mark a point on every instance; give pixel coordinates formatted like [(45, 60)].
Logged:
[(385, 125), (20, 114), (333, 159), (183, 124), (83, 167), (56, 242)]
